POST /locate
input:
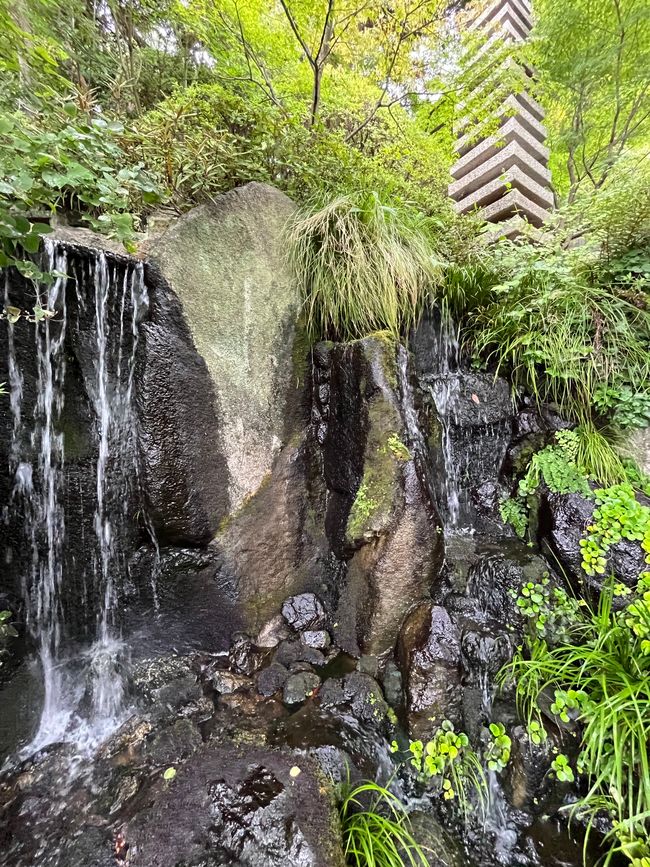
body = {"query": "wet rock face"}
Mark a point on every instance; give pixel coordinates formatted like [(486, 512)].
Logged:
[(379, 520), (567, 516), (271, 680), (300, 685), (184, 472), (239, 807), (357, 695), (528, 781), (276, 544), (430, 659)]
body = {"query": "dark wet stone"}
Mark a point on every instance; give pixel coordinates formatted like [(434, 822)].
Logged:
[(321, 354), (368, 664), (485, 648), (95, 847), (227, 682), (178, 741), (392, 683), (299, 686), (231, 806), (528, 782), (567, 516), (304, 611), (166, 683), (270, 680), (183, 473), (129, 736), (440, 848), (487, 496), (300, 666), (430, 655), (295, 651), (318, 638), (358, 695), (273, 632), (528, 422), (244, 657)]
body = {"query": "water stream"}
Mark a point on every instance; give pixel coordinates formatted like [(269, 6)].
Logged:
[(85, 685)]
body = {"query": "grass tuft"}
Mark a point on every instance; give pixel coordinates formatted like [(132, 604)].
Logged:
[(376, 829), (364, 266)]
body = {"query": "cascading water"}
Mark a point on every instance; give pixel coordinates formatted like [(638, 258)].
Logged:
[(84, 690), (113, 409), (43, 506), (445, 388), (473, 412)]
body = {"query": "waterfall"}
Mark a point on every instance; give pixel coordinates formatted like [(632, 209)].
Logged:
[(84, 688), (40, 488), (113, 408), (443, 383)]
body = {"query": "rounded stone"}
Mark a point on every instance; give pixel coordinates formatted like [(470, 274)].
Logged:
[(304, 612), (299, 686), (319, 639)]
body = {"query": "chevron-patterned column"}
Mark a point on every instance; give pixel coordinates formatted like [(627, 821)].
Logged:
[(503, 174)]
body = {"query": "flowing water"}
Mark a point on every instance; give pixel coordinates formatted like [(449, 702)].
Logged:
[(84, 686)]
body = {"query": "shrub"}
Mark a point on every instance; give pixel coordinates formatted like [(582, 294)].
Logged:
[(67, 160), (451, 767), (559, 335)]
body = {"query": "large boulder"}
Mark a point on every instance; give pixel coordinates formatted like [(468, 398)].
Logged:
[(253, 807), (217, 358), (275, 545), (379, 521)]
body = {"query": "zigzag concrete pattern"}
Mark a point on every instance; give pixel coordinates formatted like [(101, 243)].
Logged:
[(503, 174)]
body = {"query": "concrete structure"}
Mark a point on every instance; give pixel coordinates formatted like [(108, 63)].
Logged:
[(502, 167)]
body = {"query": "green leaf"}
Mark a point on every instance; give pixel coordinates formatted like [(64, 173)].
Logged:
[(31, 243), (169, 774)]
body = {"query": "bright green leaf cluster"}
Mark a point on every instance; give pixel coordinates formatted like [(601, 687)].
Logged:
[(618, 515), (562, 768), (497, 755)]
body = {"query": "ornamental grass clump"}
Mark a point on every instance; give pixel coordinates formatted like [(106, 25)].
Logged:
[(364, 266), (376, 829)]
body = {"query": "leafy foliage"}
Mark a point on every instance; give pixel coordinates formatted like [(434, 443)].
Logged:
[(449, 764), (561, 335), (497, 754), (513, 511), (78, 164), (598, 676), (557, 466), (376, 828), (549, 609), (618, 515), (591, 58)]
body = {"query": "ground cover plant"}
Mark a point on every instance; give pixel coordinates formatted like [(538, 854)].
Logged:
[(594, 674)]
